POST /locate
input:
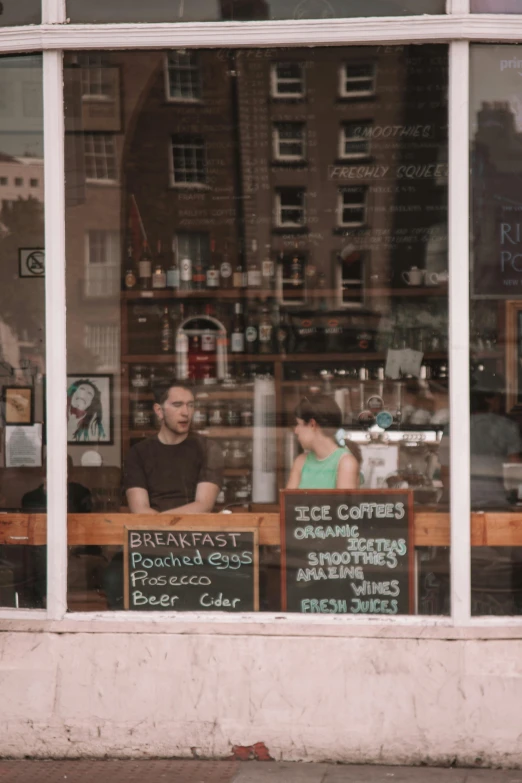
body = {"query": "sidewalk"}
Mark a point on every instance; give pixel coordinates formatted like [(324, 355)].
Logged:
[(174, 771)]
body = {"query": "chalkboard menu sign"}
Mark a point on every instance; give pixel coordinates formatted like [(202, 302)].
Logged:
[(347, 551), (192, 569)]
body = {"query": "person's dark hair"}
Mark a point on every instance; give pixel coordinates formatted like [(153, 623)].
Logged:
[(325, 411), (161, 390)]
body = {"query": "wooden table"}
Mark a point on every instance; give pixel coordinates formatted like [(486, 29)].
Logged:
[(432, 528)]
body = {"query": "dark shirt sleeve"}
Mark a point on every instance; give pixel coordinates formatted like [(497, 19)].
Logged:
[(134, 473), (212, 465)]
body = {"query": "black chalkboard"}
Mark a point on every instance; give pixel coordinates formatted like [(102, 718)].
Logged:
[(192, 569), (347, 551)]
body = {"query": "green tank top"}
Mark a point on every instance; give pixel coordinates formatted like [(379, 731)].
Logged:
[(321, 473)]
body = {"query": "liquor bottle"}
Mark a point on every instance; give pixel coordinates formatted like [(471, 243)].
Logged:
[(145, 268), (265, 331), (283, 333), (213, 270), (267, 270), (198, 275), (225, 270), (181, 347), (185, 273), (166, 332), (130, 279), (208, 337), (240, 277), (254, 272), (237, 336), (159, 277), (311, 275), (173, 273), (252, 335)]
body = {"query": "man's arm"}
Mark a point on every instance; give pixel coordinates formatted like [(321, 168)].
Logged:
[(206, 494), (138, 501)]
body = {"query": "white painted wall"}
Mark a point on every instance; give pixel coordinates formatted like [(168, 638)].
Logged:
[(383, 700)]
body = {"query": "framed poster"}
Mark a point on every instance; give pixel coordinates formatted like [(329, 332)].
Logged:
[(23, 446), (90, 409), (18, 404)]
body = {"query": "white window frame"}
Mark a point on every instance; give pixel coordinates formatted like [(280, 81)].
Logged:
[(197, 143), (107, 139), (344, 77), (345, 139), (277, 141), (108, 283), (192, 68), (91, 75), (276, 80), (458, 29), (279, 208), (341, 206)]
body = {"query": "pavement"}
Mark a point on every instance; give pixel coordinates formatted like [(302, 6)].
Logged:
[(188, 771)]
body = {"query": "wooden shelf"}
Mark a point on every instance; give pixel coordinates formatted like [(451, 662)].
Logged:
[(311, 296), (236, 472), (269, 358)]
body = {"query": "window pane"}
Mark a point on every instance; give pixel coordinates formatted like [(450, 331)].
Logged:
[(496, 6), (496, 441), (22, 335), (206, 244), (243, 10), (21, 12)]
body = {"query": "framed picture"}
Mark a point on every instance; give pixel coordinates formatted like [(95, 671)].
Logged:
[(31, 261), (23, 446), (90, 409), (18, 404)]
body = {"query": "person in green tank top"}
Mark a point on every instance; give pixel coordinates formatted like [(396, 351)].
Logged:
[(324, 465)]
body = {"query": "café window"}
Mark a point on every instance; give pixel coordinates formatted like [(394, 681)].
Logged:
[(357, 80), (351, 207), (290, 207), (188, 161), (287, 80), (354, 140), (289, 141), (100, 158), (224, 310), (183, 82)]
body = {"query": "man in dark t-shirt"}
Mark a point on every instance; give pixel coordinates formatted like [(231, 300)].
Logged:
[(176, 469)]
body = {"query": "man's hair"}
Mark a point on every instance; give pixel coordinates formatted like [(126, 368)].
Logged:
[(161, 390)]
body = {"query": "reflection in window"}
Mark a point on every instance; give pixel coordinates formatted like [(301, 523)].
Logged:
[(183, 81), (103, 341), (100, 157), (287, 80), (188, 161), (352, 207), (496, 6), (358, 80), (289, 141), (355, 140), (290, 207), (97, 84), (102, 276)]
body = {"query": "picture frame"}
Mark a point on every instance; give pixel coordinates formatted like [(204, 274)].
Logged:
[(18, 405), (90, 408)]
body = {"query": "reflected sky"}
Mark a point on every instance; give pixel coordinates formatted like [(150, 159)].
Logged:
[(216, 10)]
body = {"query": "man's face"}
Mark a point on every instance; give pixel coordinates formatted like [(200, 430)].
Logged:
[(82, 397), (177, 410)]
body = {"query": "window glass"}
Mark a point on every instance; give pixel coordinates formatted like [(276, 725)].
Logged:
[(20, 12), (496, 6), (496, 442), (243, 10), (270, 228), (22, 335)]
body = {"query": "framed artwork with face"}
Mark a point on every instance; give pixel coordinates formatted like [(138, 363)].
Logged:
[(90, 409)]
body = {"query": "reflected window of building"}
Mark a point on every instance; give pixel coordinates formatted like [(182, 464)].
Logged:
[(358, 80), (354, 141), (102, 272), (188, 161), (290, 207), (96, 81), (289, 141), (496, 6), (100, 157), (195, 245), (352, 206), (287, 80), (183, 80), (103, 341)]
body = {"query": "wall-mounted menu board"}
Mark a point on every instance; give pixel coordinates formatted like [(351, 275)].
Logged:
[(192, 569), (347, 551)]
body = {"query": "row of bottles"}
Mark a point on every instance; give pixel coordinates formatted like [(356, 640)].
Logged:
[(217, 273)]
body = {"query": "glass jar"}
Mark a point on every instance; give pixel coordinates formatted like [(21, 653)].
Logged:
[(139, 377), (243, 490), (216, 414), (238, 455), (200, 417), (141, 415), (246, 415)]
